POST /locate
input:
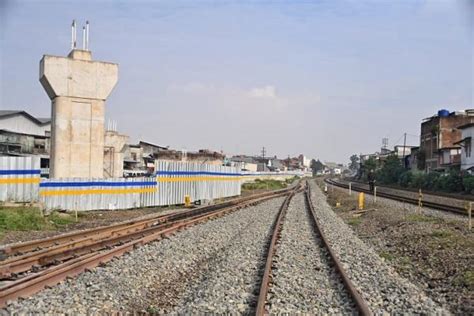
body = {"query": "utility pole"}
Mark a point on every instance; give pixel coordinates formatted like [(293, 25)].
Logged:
[(404, 145), (263, 152)]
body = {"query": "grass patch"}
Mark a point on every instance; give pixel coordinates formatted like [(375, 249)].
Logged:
[(404, 260), (31, 218), (291, 180), (387, 256), (466, 279), (354, 221), (420, 218), (61, 219), (264, 185), (441, 234), (25, 218)]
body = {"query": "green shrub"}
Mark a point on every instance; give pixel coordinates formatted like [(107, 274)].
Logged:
[(451, 182), (405, 179), (430, 180), (468, 182), (417, 180)]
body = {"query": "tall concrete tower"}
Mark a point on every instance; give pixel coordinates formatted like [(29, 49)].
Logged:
[(78, 87)]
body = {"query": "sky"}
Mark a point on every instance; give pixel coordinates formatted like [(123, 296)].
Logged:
[(324, 78)]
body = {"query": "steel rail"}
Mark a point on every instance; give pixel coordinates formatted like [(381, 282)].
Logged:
[(47, 277), (79, 247), (266, 279), (99, 232), (434, 205), (360, 303)]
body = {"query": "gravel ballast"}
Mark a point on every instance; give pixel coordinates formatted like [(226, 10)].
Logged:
[(383, 289), (210, 267), (304, 279), (432, 251)]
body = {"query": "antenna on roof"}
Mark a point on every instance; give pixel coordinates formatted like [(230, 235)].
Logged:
[(73, 34)]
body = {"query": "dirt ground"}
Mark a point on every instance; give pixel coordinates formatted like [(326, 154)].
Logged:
[(434, 253)]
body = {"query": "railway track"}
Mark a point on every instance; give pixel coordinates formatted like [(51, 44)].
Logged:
[(438, 206), (27, 268), (263, 303)]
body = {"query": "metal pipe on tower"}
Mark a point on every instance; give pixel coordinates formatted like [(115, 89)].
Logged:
[(87, 35)]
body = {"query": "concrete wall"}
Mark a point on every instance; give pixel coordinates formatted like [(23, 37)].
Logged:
[(78, 88), (22, 124), (114, 153)]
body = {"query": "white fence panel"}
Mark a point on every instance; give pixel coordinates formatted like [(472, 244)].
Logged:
[(19, 179), (199, 181), (97, 194)]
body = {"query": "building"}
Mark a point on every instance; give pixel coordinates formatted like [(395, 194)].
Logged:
[(412, 159), (115, 147), (467, 157), (25, 145), (152, 149), (201, 156), (401, 151), (438, 138), (244, 163), (24, 123), (304, 162), (22, 134)]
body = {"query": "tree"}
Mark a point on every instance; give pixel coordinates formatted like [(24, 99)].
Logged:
[(316, 166), (369, 164), (354, 165), (391, 170)]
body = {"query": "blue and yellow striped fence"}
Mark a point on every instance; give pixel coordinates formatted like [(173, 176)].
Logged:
[(19, 179), (80, 194)]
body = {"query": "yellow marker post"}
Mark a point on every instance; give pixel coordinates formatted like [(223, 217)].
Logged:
[(361, 200), (469, 212), (187, 201), (350, 188), (420, 199), (375, 194)]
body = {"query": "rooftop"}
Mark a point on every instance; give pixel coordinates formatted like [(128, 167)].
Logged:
[(10, 113)]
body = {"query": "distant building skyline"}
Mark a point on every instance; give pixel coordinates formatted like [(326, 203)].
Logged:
[(325, 79)]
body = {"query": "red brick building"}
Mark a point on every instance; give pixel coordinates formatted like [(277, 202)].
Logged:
[(438, 138)]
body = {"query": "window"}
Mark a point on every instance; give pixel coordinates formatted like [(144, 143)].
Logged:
[(467, 147)]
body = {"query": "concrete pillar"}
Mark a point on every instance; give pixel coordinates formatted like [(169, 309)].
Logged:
[(78, 88)]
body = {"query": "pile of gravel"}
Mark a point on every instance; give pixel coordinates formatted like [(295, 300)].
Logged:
[(304, 279), (211, 267), (383, 289)]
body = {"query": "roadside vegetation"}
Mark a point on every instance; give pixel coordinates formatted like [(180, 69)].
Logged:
[(267, 184), (393, 173), (31, 218)]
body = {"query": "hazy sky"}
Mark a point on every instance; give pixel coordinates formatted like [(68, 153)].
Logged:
[(323, 78)]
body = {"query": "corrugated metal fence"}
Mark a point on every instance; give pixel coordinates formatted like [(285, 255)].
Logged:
[(19, 179), (199, 181), (20, 182), (98, 194)]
